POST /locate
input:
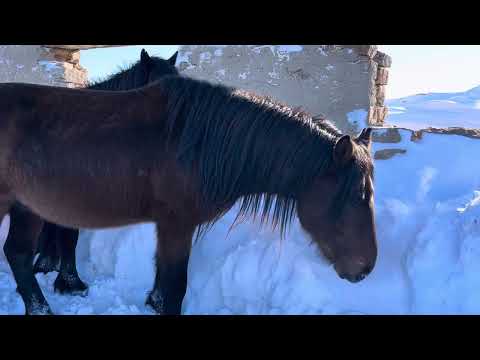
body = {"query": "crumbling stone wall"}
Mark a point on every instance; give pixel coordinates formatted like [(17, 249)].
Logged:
[(378, 112), (41, 65), (345, 84), (395, 145)]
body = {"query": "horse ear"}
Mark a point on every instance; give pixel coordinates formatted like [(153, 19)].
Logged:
[(343, 150), (144, 57), (173, 59), (365, 136)]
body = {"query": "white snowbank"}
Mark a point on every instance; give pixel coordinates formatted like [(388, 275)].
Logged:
[(437, 110), (358, 118)]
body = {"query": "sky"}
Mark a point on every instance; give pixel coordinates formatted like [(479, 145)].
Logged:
[(102, 62), (432, 68), (415, 68)]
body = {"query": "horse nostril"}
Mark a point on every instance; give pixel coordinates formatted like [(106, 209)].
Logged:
[(360, 277)]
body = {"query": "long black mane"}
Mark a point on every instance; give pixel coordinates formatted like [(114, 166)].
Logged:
[(246, 146)]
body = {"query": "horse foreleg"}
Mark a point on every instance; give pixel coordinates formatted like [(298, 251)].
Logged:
[(174, 241), (68, 281), (48, 258), (19, 249)]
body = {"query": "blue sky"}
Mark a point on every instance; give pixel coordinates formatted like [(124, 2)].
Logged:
[(415, 68), (101, 62), (432, 68)]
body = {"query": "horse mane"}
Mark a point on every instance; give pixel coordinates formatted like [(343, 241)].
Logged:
[(126, 76), (225, 134), (123, 78)]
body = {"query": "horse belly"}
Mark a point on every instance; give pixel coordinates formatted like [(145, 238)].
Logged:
[(87, 202)]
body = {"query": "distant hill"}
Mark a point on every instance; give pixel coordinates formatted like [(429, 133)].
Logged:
[(436, 110)]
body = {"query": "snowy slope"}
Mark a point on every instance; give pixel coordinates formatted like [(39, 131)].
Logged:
[(436, 110), (428, 223)]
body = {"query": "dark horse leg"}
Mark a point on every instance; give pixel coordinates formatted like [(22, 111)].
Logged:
[(68, 281), (48, 259), (19, 250), (174, 242), (57, 246)]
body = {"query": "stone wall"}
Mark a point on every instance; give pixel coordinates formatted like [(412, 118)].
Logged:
[(345, 84), (396, 138), (378, 112), (41, 65)]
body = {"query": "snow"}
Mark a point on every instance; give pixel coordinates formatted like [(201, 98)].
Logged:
[(358, 118), (428, 226), (436, 110), (274, 75), (183, 56), (281, 51), (289, 48), (205, 56), (50, 65), (220, 72)]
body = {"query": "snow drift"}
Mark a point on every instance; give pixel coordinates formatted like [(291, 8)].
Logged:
[(436, 110)]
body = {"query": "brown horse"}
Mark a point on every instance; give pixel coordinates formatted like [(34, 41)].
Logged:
[(178, 152), (57, 244)]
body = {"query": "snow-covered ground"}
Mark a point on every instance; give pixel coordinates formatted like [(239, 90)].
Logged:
[(436, 110), (428, 224)]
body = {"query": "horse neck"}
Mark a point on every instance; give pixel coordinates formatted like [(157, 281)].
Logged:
[(286, 161), (122, 81), (277, 161)]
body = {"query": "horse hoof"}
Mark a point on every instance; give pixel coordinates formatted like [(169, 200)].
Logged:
[(40, 310), (155, 302), (46, 264), (72, 286)]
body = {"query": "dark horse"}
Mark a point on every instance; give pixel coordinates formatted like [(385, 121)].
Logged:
[(57, 244), (178, 152)]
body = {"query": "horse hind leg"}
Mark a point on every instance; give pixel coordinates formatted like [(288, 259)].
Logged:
[(48, 259), (68, 280), (174, 240), (19, 249)]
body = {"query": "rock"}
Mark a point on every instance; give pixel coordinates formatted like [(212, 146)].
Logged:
[(365, 50), (471, 133), (382, 76), (386, 135), (380, 95), (65, 55), (387, 153), (382, 112), (377, 115), (382, 59)]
